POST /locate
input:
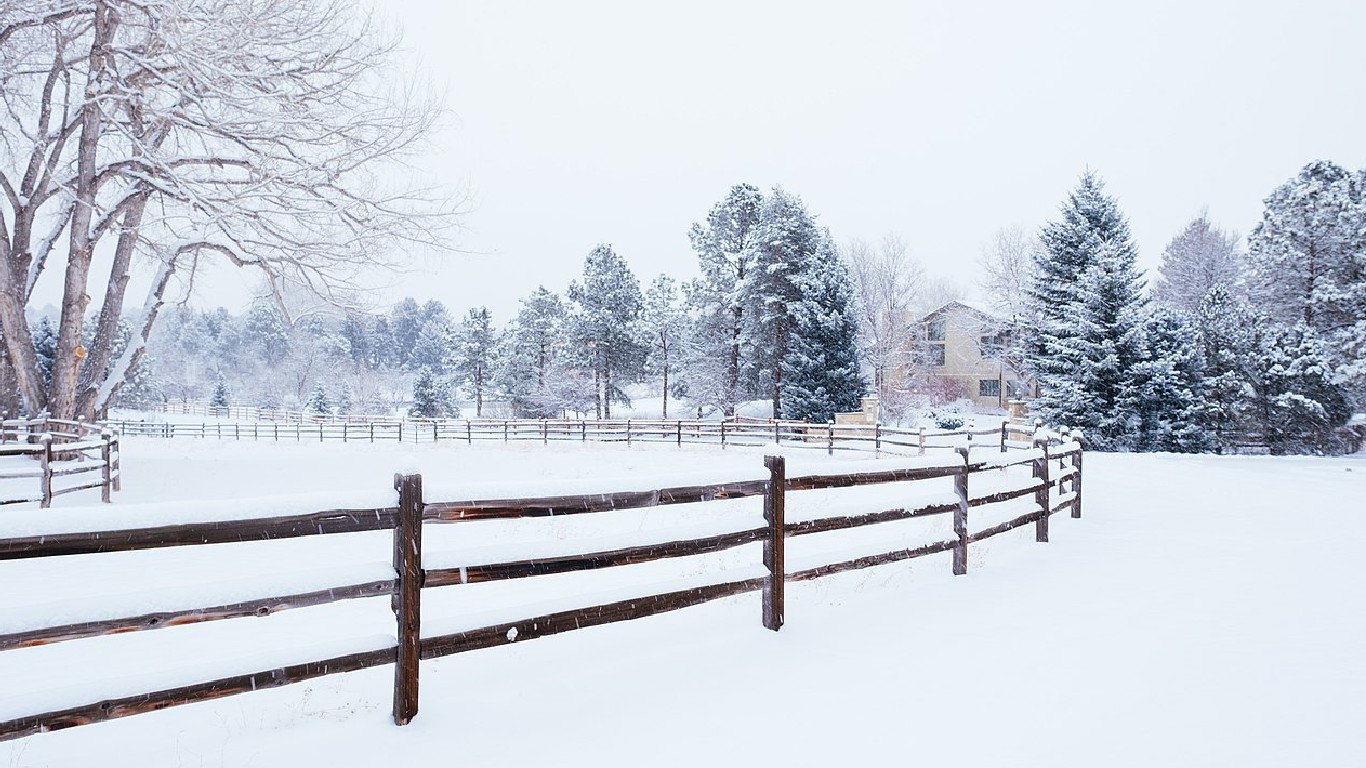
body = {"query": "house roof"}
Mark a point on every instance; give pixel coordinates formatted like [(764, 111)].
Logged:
[(981, 313)]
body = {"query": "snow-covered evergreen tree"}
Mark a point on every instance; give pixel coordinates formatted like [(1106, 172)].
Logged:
[(404, 327), (220, 398), (1296, 404), (530, 356), (664, 322), (318, 402), (264, 332), (1308, 263), (1168, 390), (473, 355), (822, 373), (1088, 300), (1195, 262), (786, 240), (435, 341), (346, 398), (604, 325), (358, 330), (45, 347), (430, 399), (703, 371), (1230, 342), (725, 248)]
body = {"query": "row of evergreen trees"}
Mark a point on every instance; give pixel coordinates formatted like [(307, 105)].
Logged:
[(1264, 347), (772, 317)]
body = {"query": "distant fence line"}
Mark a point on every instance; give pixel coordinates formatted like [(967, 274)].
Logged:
[(62, 449), (1049, 474), (723, 432)]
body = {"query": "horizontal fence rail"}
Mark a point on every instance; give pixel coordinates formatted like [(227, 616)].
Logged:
[(875, 438), (85, 456), (1048, 473)]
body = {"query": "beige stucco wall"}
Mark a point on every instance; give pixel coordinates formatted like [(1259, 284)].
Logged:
[(963, 360)]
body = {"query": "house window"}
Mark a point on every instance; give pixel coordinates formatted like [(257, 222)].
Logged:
[(989, 387), (935, 355), (991, 344), (935, 331)]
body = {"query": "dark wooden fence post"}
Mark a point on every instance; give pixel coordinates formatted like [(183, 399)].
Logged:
[(1004, 429), (775, 515), (1041, 496), (407, 597), (960, 516), (107, 457), (830, 439), (877, 439), (628, 433), (723, 433), (679, 436), (1076, 478)]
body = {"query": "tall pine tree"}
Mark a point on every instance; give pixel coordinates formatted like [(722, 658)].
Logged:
[(785, 242), (725, 248), (822, 372), (1308, 259), (1087, 294), (604, 325), (473, 354)]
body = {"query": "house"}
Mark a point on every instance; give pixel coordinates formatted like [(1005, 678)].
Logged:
[(965, 351)]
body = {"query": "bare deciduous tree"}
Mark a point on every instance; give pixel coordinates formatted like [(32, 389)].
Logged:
[(171, 133), (1007, 271), (890, 284), (1196, 261)]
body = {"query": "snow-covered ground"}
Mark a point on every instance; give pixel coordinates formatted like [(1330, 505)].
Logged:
[(1204, 612)]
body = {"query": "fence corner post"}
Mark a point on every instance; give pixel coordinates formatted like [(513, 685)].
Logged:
[(775, 516), (960, 516), (1042, 495), (45, 440), (407, 597)]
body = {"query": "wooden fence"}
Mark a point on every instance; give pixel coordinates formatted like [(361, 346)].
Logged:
[(1048, 476), (723, 432), (62, 450)]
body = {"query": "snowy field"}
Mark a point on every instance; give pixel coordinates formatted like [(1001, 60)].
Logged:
[(1206, 611)]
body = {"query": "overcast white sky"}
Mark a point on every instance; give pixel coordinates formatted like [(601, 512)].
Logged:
[(623, 122)]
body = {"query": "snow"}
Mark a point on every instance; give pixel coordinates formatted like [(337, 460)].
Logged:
[(1202, 613)]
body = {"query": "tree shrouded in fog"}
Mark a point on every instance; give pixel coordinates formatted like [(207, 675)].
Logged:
[(173, 133), (604, 325), (889, 283), (1200, 259), (725, 252)]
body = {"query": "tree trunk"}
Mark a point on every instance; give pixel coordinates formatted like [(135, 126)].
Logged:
[(733, 367), (106, 333), (62, 392)]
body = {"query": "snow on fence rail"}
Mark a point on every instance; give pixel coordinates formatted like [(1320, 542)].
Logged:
[(1044, 479), (723, 432), (62, 449)]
